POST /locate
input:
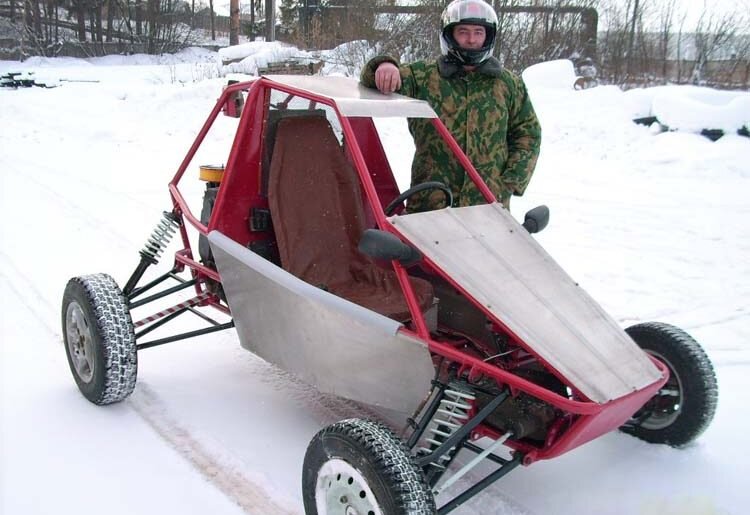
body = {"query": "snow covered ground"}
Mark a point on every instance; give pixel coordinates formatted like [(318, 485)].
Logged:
[(654, 226)]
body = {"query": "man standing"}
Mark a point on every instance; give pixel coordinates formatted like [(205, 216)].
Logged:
[(485, 107)]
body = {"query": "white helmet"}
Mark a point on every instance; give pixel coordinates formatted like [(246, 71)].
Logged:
[(471, 12)]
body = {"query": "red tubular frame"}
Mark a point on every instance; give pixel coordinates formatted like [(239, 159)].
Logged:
[(184, 258), (587, 419)]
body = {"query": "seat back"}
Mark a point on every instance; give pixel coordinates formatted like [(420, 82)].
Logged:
[(316, 207), (314, 190)]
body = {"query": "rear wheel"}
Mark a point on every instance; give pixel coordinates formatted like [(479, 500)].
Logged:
[(99, 338), (685, 406), (359, 467)]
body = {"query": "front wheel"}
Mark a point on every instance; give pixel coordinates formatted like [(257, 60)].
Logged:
[(99, 338), (685, 406), (360, 467)]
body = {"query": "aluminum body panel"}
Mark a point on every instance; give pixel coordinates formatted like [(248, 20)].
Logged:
[(353, 99), (329, 342), (489, 254)]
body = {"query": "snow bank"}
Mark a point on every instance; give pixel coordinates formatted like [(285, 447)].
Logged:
[(249, 57), (550, 87), (558, 74), (682, 108), (346, 59), (692, 108)]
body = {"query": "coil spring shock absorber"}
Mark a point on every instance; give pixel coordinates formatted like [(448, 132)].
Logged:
[(452, 413), (160, 237), (154, 247)]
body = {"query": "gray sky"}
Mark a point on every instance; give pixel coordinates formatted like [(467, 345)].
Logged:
[(694, 8)]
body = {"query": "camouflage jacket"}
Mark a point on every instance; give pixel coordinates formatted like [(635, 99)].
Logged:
[(490, 115)]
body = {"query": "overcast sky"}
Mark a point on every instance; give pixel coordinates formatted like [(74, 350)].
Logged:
[(694, 8)]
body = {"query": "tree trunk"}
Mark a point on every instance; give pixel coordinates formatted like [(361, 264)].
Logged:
[(152, 26), (37, 19), (110, 19), (632, 37), (92, 21), (234, 22), (138, 17), (81, 18), (99, 31), (213, 27), (270, 20), (47, 29), (252, 19)]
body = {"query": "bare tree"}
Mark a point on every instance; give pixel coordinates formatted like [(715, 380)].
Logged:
[(712, 33), (667, 14)]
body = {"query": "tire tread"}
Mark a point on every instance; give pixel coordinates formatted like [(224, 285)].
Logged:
[(392, 461), (117, 335), (698, 377)]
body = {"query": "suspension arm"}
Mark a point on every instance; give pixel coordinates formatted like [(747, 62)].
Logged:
[(161, 294), (139, 291), (481, 485), (186, 335)]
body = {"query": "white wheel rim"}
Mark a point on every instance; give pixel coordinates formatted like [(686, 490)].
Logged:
[(80, 342), (342, 490)]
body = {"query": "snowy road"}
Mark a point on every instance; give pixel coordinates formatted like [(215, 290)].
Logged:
[(653, 226)]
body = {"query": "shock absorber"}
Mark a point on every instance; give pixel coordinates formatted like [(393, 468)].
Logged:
[(154, 247), (160, 238), (451, 415)]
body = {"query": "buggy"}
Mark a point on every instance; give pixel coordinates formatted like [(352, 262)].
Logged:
[(455, 320)]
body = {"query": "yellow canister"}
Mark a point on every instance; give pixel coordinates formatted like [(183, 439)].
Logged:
[(211, 173)]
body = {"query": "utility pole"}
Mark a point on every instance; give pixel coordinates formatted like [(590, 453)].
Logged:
[(270, 20), (632, 35), (234, 22)]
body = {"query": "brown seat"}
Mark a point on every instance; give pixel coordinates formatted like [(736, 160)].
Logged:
[(316, 208)]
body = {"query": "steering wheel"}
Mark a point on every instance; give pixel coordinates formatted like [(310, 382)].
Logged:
[(430, 185)]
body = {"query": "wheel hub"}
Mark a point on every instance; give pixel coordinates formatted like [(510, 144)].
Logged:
[(80, 342), (664, 407), (341, 489)]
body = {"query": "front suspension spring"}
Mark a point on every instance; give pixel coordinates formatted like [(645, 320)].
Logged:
[(160, 237), (451, 415)]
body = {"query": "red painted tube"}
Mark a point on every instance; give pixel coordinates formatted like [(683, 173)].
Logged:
[(475, 177)]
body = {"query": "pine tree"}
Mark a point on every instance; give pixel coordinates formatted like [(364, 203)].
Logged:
[(289, 14)]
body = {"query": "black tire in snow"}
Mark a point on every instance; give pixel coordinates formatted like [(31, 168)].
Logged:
[(361, 466), (686, 404), (99, 338)]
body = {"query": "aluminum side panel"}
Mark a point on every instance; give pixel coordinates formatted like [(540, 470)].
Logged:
[(338, 346), (498, 263)]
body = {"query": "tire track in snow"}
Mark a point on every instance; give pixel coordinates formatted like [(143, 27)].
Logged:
[(229, 479), (87, 218), (41, 168), (32, 301), (218, 470)]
